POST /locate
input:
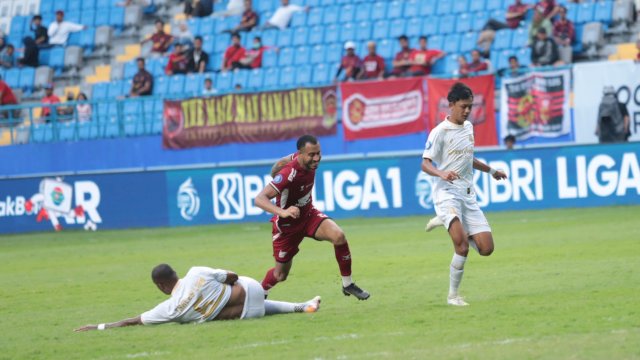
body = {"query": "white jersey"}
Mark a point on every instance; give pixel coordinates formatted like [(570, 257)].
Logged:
[(283, 15), (198, 297), (451, 147)]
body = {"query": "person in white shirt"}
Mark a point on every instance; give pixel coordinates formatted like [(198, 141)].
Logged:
[(281, 18), (450, 145), (208, 89), (207, 294), (59, 30)]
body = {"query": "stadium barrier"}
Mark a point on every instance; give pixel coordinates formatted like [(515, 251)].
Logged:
[(385, 185)]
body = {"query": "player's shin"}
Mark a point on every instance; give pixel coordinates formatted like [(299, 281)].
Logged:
[(456, 272), (343, 256), (280, 307), (269, 281)]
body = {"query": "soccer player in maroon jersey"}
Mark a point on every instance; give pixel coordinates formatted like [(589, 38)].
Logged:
[(295, 217)]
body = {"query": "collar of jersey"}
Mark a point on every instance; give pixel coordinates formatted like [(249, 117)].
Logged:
[(176, 286), (451, 125)]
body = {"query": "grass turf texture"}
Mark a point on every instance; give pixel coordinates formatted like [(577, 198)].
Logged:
[(561, 284)]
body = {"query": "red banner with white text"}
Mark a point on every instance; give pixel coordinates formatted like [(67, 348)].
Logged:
[(483, 113), (383, 108)]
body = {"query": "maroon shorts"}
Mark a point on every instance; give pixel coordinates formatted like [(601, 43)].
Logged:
[(288, 236)]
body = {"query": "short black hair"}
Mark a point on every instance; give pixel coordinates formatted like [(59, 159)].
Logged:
[(513, 57), (140, 59), (198, 37), (235, 34), (542, 30), (163, 272), (36, 17), (306, 139), (510, 138), (10, 46), (459, 91), (159, 21), (422, 38), (257, 38), (403, 37)]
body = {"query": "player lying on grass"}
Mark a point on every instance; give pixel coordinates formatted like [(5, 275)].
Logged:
[(207, 294), (450, 145), (295, 217)]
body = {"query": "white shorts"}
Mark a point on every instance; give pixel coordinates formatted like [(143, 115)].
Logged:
[(451, 203), (254, 299)]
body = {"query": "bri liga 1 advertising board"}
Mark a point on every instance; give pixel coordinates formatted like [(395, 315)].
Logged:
[(571, 176)]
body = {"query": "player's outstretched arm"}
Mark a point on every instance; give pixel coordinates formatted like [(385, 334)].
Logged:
[(497, 174), (126, 322), (263, 201), (427, 166), (280, 164)]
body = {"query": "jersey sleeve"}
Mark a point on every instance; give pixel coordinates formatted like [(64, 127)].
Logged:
[(432, 149), (282, 179), (158, 315), (218, 275)]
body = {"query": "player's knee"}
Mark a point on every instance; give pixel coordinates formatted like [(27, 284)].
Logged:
[(280, 275), (486, 251), (339, 238), (462, 249)]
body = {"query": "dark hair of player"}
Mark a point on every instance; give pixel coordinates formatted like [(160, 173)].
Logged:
[(459, 91), (162, 273), (306, 139)]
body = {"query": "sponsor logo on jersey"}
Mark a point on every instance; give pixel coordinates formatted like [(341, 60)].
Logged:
[(424, 190), (188, 200), (282, 254), (429, 145), (277, 179)]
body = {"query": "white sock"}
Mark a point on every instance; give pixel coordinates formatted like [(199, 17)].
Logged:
[(473, 244), (346, 281), (281, 307), (456, 271)]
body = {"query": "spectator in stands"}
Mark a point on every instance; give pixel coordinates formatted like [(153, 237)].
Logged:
[(372, 64), (477, 64), (49, 98), (282, 16), (31, 53), (198, 59), (3, 43), (208, 89), (422, 59), (564, 36), (351, 63), (143, 3), (613, 124), (198, 8), (7, 97), (514, 69), (549, 8), (234, 7), (234, 53), (178, 61), (142, 84), (66, 111), (463, 65), (544, 51), (83, 108), (183, 36), (249, 19), (40, 33), (59, 30), (509, 141), (638, 47), (401, 62), (539, 22), (515, 14), (237, 87), (161, 40), (8, 57), (253, 57)]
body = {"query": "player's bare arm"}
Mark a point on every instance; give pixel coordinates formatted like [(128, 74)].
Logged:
[(429, 168), (263, 201), (126, 322), (275, 169), (497, 174)]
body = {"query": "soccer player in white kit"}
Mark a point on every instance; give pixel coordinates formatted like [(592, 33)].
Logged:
[(207, 294), (450, 145)]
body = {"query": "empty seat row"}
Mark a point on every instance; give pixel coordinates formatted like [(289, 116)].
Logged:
[(27, 79)]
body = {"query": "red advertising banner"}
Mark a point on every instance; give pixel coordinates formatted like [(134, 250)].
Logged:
[(383, 108), (245, 118), (483, 113)]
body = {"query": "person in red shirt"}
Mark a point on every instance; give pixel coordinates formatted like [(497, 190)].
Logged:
[(564, 34), (234, 53), (550, 8), (372, 64), (295, 217), (422, 59), (515, 14), (476, 64), (351, 63), (249, 19), (7, 97), (161, 40), (253, 57), (401, 62), (49, 98), (178, 61)]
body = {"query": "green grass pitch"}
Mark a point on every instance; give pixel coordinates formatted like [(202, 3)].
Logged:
[(562, 284)]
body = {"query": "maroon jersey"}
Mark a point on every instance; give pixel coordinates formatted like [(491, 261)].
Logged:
[(294, 185)]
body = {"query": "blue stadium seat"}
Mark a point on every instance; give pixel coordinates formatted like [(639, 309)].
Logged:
[(300, 36), (224, 81), (446, 65), (317, 54), (88, 4), (74, 5), (303, 76), (451, 43), (176, 84), (436, 42), (330, 15), (241, 77), (269, 59), (572, 11), (12, 77), (88, 17), (271, 78), (27, 75), (468, 42), (397, 28), (331, 34), (385, 49), (56, 58), (115, 89), (116, 17), (464, 22), (414, 27), (299, 20), (411, 8), (379, 10), (444, 7), (363, 31), (102, 18), (41, 133), (494, 5), (520, 38), (524, 56), (194, 83), (347, 32), (577, 46), (381, 29), (49, 7), (395, 9), (287, 76), (301, 56), (66, 131), (461, 6), (220, 25), (74, 39), (18, 25), (222, 42), (285, 37), (585, 12), (503, 59), (430, 26), (194, 25), (603, 11), (476, 5), (333, 52), (103, 4), (270, 37), (160, 85), (347, 13), (99, 91), (286, 57), (316, 35), (43, 56), (447, 24), (207, 26), (255, 78), (502, 39), (364, 12), (479, 20), (263, 6), (315, 16), (321, 75), (427, 7)]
